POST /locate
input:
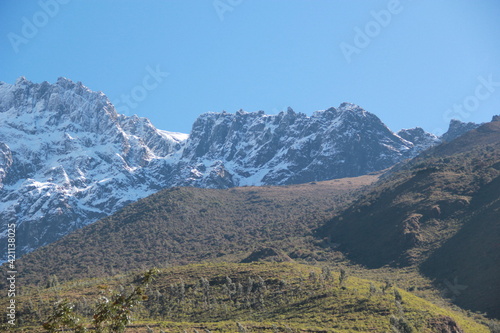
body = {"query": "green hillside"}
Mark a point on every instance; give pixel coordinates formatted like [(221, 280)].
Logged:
[(189, 225), (439, 212), (255, 297)]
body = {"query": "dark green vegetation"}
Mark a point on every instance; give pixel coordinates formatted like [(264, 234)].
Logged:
[(189, 225), (430, 225), (441, 212), (255, 297)]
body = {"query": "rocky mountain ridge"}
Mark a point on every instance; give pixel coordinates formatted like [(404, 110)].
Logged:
[(67, 158)]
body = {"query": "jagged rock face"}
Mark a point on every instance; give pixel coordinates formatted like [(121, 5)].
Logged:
[(457, 128), (421, 139), (67, 158), (5, 162), (291, 147)]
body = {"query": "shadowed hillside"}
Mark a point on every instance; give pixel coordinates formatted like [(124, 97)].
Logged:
[(440, 210)]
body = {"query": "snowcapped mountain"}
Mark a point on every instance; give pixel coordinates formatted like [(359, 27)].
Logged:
[(67, 158), (259, 149), (421, 139)]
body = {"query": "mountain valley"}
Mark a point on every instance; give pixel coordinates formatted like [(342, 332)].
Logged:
[(254, 221)]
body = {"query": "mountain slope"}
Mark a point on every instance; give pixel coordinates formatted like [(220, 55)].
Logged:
[(421, 139), (427, 210), (471, 257), (186, 225), (67, 158), (257, 297), (456, 129)]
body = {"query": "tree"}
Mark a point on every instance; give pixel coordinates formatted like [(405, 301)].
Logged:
[(241, 328), (342, 277), (397, 296), (326, 273), (373, 289), (111, 315), (313, 277), (64, 317), (115, 314), (53, 281), (387, 286), (400, 325)]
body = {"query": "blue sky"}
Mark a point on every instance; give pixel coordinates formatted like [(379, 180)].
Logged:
[(412, 63)]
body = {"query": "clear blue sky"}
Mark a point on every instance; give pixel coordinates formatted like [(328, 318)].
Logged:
[(418, 62)]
